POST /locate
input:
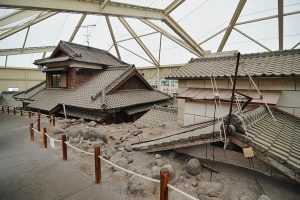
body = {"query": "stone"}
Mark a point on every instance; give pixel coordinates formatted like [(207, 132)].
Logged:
[(128, 148), (211, 189), (159, 162), (199, 178), (73, 120), (81, 120), (170, 170), (130, 159), (193, 166), (263, 197), (157, 156), (119, 175), (245, 197), (98, 143), (76, 140), (140, 187), (121, 149), (89, 134), (156, 172), (180, 179), (186, 185), (194, 183), (58, 131), (137, 132), (92, 124)]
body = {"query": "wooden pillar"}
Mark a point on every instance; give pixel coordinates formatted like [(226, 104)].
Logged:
[(64, 147), (21, 113), (44, 137), (31, 132), (2, 109), (97, 165), (7, 109), (164, 178), (29, 114), (39, 121), (14, 111), (53, 119)]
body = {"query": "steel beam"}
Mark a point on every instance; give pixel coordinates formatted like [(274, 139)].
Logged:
[(294, 47), (112, 36), (16, 16), (233, 20), (250, 38), (104, 4), (211, 37), (140, 36), (136, 54), (183, 34), (171, 37), (138, 40), (89, 7), (26, 25), (28, 50), (280, 23), (173, 6), (266, 18), (83, 16)]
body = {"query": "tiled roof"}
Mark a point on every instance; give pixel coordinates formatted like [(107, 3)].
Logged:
[(279, 63), (82, 113), (270, 97), (28, 94), (144, 107), (278, 139), (48, 99), (81, 53), (6, 98)]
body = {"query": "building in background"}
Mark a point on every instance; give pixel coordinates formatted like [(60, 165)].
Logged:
[(276, 74)]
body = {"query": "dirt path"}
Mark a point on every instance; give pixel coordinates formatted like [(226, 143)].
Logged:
[(28, 171)]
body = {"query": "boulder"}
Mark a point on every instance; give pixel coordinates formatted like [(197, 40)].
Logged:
[(58, 131), (170, 170), (157, 156), (156, 172), (140, 187), (81, 120), (193, 166), (75, 133), (159, 162), (263, 197), (92, 124), (211, 189), (89, 134)]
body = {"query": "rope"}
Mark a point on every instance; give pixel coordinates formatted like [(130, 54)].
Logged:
[(36, 131), (37, 124), (51, 138), (82, 151), (181, 192)]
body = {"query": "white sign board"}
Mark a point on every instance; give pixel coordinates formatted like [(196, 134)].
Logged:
[(52, 144)]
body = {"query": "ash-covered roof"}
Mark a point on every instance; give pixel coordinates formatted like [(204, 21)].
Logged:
[(6, 99), (81, 53), (268, 64), (27, 94), (278, 139)]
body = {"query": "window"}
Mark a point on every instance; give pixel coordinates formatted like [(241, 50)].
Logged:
[(58, 80)]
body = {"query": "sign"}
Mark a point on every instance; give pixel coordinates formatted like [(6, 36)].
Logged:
[(52, 144), (248, 152)]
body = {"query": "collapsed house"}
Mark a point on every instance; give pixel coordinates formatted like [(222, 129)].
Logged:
[(271, 77), (7, 99), (275, 74), (90, 83)]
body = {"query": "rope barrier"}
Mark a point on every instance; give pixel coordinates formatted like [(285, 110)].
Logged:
[(181, 192), (82, 151), (37, 131), (51, 138)]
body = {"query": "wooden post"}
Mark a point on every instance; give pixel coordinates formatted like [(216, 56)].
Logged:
[(21, 113), (44, 137), (7, 109), (14, 111), (164, 178), (39, 121), (64, 147), (2, 109), (31, 132), (97, 165), (53, 119), (29, 114)]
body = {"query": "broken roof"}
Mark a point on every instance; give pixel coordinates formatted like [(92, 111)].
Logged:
[(81, 53), (6, 98), (267, 64), (278, 139), (27, 94)]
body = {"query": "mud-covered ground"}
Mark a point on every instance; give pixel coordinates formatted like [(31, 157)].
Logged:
[(229, 183)]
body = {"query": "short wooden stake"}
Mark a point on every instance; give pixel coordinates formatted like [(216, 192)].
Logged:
[(14, 111), (64, 147), (31, 132), (7, 109), (44, 137), (29, 113), (97, 165), (164, 178), (53, 119), (2, 109), (39, 121), (21, 113)]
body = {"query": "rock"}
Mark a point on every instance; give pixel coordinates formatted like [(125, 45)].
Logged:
[(170, 170), (194, 183), (71, 139), (193, 166), (121, 149), (245, 197), (81, 120), (186, 185), (263, 197), (180, 179), (89, 134), (98, 143), (211, 189), (123, 162), (137, 132), (140, 187), (73, 120), (159, 162), (130, 159), (73, 133), (157, 156), (199, 178), (58, 131), (92, 124), (119, 175), (156, 172), (76, 140), (128, 148)]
